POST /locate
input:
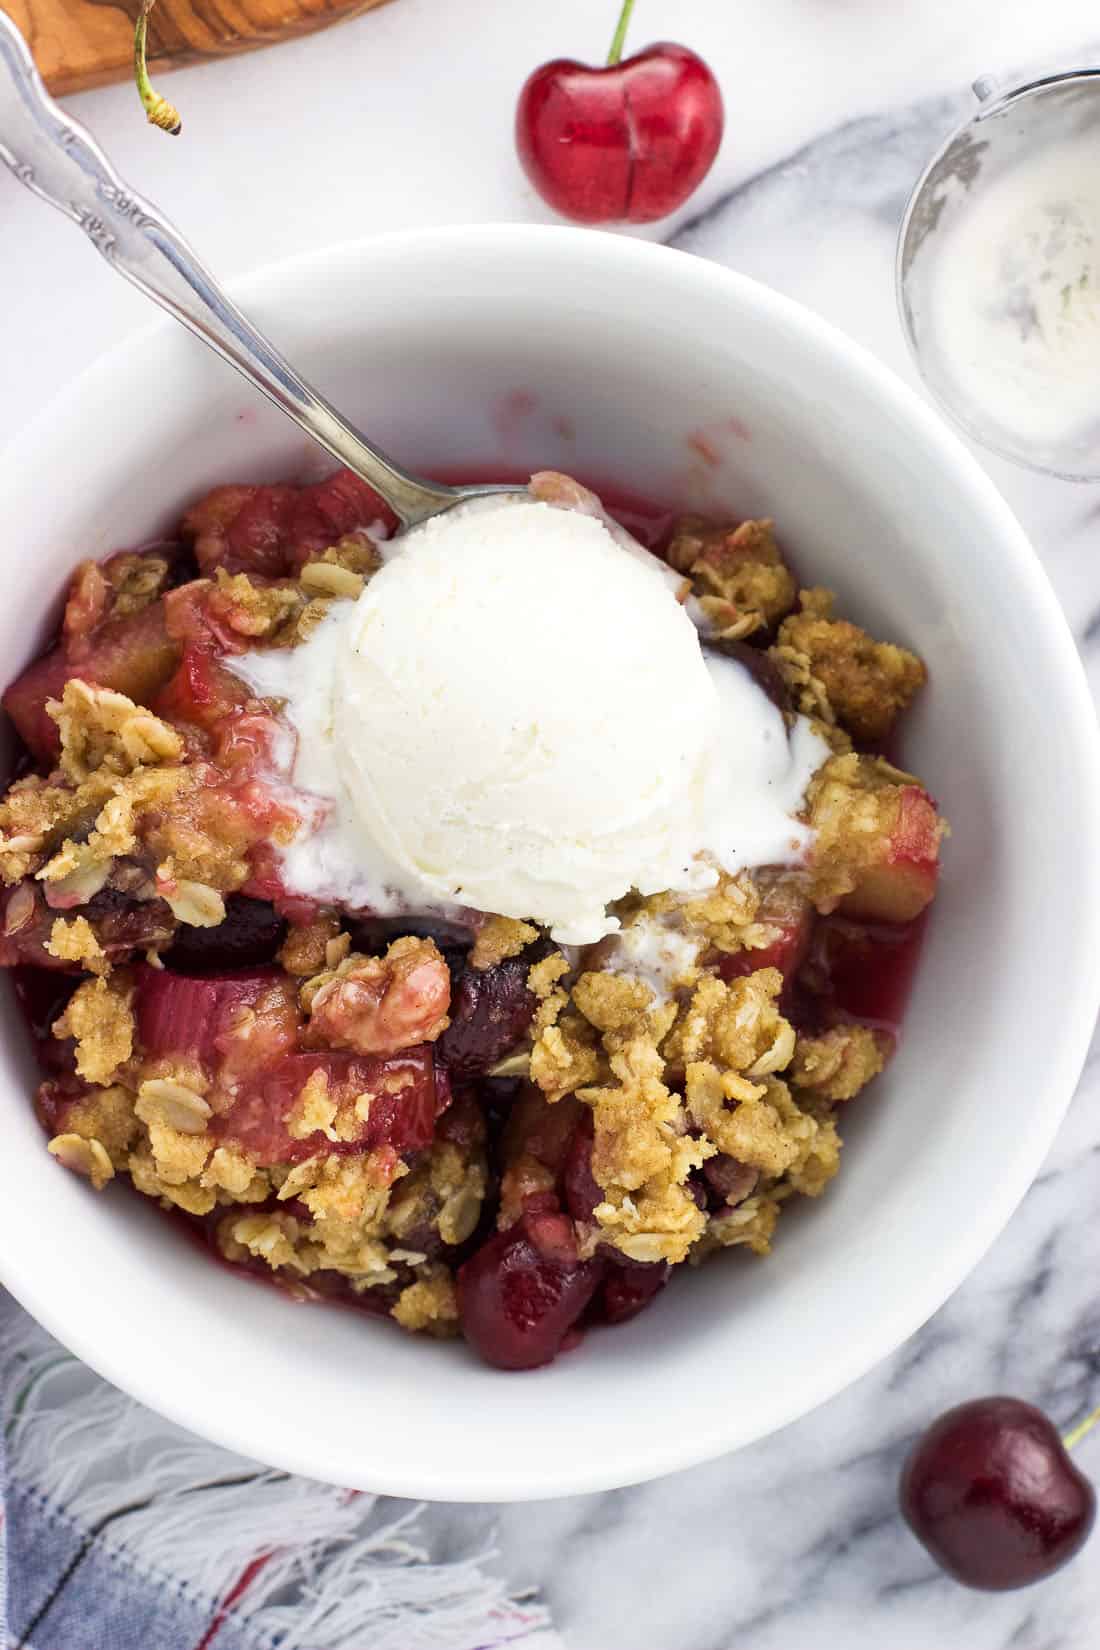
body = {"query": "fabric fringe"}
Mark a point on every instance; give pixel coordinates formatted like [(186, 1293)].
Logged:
[(289, 1560)]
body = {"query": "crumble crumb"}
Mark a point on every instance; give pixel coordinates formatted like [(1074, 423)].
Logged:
[(611, 1002), (99, 1017), (727, 914), (429, 1305), (356, 553), (271, 1236), (135, 578), (740, 579), (837, 1064), (74, 941), (444, 1193), (807, 692), (178, 1156), (183, 1193), (248, 609), (662, 1222), (87, 1157), (106, 1115), (305, 949), (563, 1053), (314, 1110), (752, 1129), (751, 1223), (867, 683), (736, 1025), (102, 729), (232, 1170), (499, 938)]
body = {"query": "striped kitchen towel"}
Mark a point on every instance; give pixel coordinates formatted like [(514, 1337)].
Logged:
[(119, 1531)]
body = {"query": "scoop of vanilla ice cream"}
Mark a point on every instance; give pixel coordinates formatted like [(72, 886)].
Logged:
[(516, 716), (523, 718)]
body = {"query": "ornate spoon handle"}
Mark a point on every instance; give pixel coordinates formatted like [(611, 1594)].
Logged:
[(61, 162)]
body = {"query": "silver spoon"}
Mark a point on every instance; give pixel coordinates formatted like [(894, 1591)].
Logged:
[(56, 158)]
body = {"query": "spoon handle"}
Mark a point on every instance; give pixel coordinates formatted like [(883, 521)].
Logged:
[(56, 158)]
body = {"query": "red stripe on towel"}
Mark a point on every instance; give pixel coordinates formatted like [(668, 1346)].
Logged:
[(234, 1595)]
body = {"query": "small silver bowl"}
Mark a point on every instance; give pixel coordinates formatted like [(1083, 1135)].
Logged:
[(1015, 341)]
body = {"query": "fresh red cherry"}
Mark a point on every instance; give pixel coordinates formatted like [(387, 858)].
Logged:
[(991, 1492), (623, 141)]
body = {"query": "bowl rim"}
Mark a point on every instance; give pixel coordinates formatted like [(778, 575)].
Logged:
[(710, 1436)]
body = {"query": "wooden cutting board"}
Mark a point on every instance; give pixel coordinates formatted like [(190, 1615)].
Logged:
[(81, 43)]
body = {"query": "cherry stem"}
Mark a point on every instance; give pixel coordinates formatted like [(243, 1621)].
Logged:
[(158, 109), (1081, 1430), (619, 41)]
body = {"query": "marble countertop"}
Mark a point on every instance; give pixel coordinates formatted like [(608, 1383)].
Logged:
[(403, 118)]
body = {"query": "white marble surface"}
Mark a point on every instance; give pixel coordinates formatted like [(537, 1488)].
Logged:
[(404, 118)]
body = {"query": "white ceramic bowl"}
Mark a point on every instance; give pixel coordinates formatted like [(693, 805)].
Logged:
[(535, 347)]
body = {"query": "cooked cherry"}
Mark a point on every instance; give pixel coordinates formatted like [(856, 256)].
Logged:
[(120, 923), (705, 1198), (628, 1290), (498, 1097), (274, 530), (581, 1189), (490, 1011), (522, 1292), (42, 995), (730, 1182), (991, 1492), (251, 935), (461, 1118), (123, 924), (537, 1129), (373, 935)]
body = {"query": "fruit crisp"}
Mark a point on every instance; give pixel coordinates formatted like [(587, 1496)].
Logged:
[(459, 1125)]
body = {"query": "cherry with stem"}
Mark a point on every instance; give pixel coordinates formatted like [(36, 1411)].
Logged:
[(629, 139), (990, 1490)]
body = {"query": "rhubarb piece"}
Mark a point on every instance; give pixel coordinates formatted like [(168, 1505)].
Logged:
[(274, 531), (133, 655), (898, 885), (377, 1102), (188, 1015)]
